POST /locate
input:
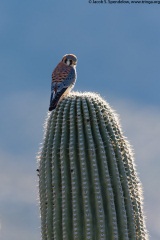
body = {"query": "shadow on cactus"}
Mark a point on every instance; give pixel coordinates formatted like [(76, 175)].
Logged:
[(88, 185)]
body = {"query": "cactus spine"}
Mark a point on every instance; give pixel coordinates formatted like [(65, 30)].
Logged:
[(88, 185)]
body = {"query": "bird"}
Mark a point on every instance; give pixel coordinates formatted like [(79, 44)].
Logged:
[(63, 79)]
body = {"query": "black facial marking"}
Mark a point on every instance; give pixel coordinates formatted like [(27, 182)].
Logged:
[(70, 62)]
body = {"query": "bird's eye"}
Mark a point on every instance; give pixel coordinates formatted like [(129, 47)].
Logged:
[(65, 60), (70, 62)]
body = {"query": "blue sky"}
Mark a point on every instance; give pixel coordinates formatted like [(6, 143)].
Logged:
[(118, 50)]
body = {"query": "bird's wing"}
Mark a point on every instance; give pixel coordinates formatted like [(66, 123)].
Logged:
[(59, 88)]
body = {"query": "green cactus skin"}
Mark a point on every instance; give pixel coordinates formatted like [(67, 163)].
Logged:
[(88, 185)]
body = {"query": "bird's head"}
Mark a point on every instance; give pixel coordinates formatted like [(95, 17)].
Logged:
[(70, 60)]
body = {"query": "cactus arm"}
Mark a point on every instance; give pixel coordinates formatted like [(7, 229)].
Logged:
[(88, 184)]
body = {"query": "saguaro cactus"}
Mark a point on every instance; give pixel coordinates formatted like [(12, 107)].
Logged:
[(88, 185)]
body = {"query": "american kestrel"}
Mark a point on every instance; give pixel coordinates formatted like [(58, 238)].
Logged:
[(63, 79)]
